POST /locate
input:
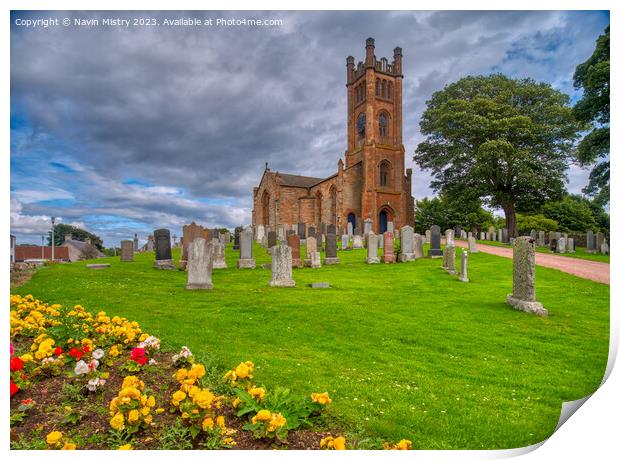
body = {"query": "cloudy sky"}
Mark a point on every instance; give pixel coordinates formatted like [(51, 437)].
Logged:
[(122, 130)]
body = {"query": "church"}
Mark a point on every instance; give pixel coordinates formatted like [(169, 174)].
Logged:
[(372, 182)]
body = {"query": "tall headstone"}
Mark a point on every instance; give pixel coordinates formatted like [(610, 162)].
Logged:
[(331, 249), (604, 247), (272, 239), (600, 239), (315, 259), (541, 238), (590, 243), (190, 232), (358, 242), (282, 266), (463, 274), (523, 295), (380, 241), (407, 252), (200, 264), (127, 251), (312, 231), (388, 248), (319, 242), (344, 240), (310, 248), (219, 254), (236, 241), (457, 231), (280, 232), (301, 230), (449, 236), (571, 245), (449, 259), (418, 246), (367, 226), (372, 248), (260, 233), (246, 250), (390, 226), (533, 234), (471, 243), (135, 242), (427, 236), (293, 241), (435, 236), (349, 228), (331, 228), (163, 251), (562, 245)]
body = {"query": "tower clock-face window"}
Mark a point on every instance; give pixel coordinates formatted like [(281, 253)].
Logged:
[(361, 124)]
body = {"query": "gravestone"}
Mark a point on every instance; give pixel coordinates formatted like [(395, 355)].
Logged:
[(388, 248), (457, 231), (163, 252), (449, 259), (390, 227), (331, 250), (310, 248), (272, 239), (380, 241), (246, 250), (97, 266), (222, 238), (600, 239), (491, 236), (312, 231), (236, 241), (294, 228), (190, 232), (315, 260), (357, 231), (344, 239), (533, 234), (523, 295), (293, 241), (427, 236), (331, 228), (280, 232), (358, 242), (219, 254), (562, 245), (127, 251), (418, 246), (200, 264), (590, 244), (324, 228), (367, 226), (407, 252), (471, 243), (435, 238), (135, 242), (483, 236), (372, 256), (260, 233), (282, 266), (604, 247), (349, 228), (319, 242), (463, 275), (541, 238), (553, 245), (571, 245), (150, 243), (449, 236), (301, 230)]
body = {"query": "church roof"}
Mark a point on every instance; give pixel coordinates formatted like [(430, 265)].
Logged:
[(292, 180)]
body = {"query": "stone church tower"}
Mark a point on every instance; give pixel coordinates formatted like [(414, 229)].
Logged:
[(372, 182)]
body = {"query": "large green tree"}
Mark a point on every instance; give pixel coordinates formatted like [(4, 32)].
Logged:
[(449, 212), (572, 214), (593, 77), (77, 233), (505, 141)]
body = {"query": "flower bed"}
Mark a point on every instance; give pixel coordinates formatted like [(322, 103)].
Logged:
[(84, 381)]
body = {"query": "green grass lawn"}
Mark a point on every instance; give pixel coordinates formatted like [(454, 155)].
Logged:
[(405, 350), (580, 253)]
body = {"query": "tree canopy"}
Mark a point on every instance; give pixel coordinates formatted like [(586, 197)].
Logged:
[(77, 233), (593, 77), (505, 141), (449, 213)]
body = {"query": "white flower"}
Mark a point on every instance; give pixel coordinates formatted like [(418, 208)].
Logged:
[(81, 367), (95, 383), (94, 364), (151, 341), (98, 353), (152, 361), (184, 353)]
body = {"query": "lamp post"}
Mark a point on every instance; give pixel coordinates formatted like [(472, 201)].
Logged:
[(42, 247), (53, 221)]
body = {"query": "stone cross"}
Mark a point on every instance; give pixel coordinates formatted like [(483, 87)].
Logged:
[(163, 252), (388, 248), (219, 255), (282, 266), (463, 275), (127, 251), (523, 295), (406, 244), (471, 243), (246, 250), (293, 242), (200, 264), (435, 238), (372, 256), (331, 250)]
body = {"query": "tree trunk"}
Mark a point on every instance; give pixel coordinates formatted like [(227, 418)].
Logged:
[(511, 219)]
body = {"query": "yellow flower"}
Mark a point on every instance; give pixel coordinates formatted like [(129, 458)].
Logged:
[(148, 419), (69, 446), (330, 442), (118, 421), (207, 424), (177, 397), (236, 403), (242, 371), (53, 437), (277, 421), (199, 369), (114, 352), (321, 398), (159, 410), (257, 393), (339, 443), (131, 381), (403, 444), (220, 421), (133, 416), (204, 399), (125, 447), (26, 358), (262, 416)]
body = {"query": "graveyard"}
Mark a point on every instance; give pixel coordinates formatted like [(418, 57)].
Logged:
[(405, 350)]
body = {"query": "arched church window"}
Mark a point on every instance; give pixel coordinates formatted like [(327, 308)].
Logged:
[(384, 174), (361, 124), (377, 86), (383, 124)]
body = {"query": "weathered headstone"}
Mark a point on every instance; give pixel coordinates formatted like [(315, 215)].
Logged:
[(600, 238), (163, 252), (523, 295), (562, 245), (344, 239), (449, 236), (388, 248), (541, 238), (418, 246), (127, 251), (407, 252), (604, 247), (200, 264), (571, 245), (237, 241), (331, 228), (533, 234), (293, 241), (312, 231), (471, 243), (219, 254), (301, 230), (358, 242), (435, 237), (280, 232), (315, 259), (331, 250), (590, 243), (150, 243), (380, 241), (323, 228), (282, 266), (349, 228), (272, 239), (135, 242), (246, 250), (483, 236), (367, 226), (427, 236), (449, 259), (357, 231), (319, 242), (295, 228), (390, 226), (310, 248), (260, 233), (553, 245), (190, 232), (463, 275), (457, 231), (372, 247)]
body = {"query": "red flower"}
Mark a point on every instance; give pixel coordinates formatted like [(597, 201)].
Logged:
[(77, 354), (138, 355), (58, 351), (27, 402), (14, 388), (16, 364), (86, 349)]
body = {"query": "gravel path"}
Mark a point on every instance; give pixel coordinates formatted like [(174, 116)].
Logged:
[(588, 269)]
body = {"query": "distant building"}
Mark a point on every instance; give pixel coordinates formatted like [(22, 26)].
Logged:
[(77, 248), (13, 242)]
